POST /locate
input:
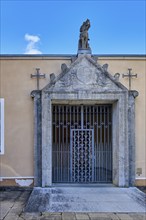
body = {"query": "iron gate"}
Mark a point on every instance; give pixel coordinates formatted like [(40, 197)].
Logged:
[(82, 143), (82, 155)]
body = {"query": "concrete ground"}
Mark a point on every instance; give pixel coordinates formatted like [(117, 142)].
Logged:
[(12, 204)]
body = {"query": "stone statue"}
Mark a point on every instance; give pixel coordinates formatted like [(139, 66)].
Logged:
[(83, 41)]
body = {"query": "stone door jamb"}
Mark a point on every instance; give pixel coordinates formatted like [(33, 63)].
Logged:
[(119, 102)]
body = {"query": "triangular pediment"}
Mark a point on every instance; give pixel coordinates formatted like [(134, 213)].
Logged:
[(84, 74)]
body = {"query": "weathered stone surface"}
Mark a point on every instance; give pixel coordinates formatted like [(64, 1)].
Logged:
[(124, 216), (85, 199), (38, 202), (82, 216), (85, 81), (83, 40), (101, 215), (11, 217), (84, 74), (138, 196), (36, 94), (137, 216), (70, 216), (5, 208), (113, 216), (51, 216), (9, 195), (9, 201), (11, 204), (28, 215)]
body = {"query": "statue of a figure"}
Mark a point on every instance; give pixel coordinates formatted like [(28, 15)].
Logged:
[(83, 41)]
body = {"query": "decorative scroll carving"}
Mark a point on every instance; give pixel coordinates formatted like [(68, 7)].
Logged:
[(117, 76), (105, 67), (64, 67), (52, 77), (36, 94)]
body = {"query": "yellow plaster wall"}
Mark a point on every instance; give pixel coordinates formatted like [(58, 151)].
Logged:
[(138, 66), (16, 86)]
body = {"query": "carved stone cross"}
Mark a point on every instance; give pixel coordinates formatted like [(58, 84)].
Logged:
[(38, 76), (129, 75)]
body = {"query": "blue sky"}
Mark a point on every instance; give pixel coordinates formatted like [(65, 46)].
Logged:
[(52, 27)]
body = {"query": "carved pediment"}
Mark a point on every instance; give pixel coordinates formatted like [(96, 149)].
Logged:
[(84, 74)]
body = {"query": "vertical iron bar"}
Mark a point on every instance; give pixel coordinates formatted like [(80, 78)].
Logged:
[(107, 148), (67, 148), (71, 154), (85, 147), (111, 150), (74, 138), (78, 158), (89, 158), (86, 117), (57, 111), (104, 154), (97, 143), (89, 113), (81, 116), (62, 145), (59, 144), (108, 138), (100, 143), (77, 109), (71, 140), (92, 132), (74, 116), (55, 142), (74, 153), (81, 156), (93, 120)]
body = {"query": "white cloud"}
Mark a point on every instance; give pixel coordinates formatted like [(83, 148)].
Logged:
[(32, 38), (31, 47)]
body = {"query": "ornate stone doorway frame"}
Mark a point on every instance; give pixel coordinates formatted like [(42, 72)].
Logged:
[(123, 138)]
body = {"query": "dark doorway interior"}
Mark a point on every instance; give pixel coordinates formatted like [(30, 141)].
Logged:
[(82, 143)]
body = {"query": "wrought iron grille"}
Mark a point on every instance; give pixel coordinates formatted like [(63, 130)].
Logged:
[(82, 143), (82, 155)]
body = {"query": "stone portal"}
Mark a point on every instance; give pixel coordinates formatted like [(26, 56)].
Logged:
[(97, 143)]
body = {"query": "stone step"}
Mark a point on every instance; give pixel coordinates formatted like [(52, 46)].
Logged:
[(84, 199)]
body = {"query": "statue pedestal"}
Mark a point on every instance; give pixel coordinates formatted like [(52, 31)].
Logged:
[(84, 51)]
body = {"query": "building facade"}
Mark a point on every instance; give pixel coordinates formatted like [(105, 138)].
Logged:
[(83, 125)]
